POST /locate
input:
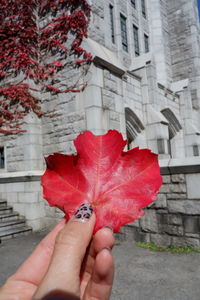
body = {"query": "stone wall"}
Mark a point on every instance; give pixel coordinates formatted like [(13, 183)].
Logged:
[(174, 218), (22, 191), (185, 44), (59, 131), (23, 152), (100, 27)]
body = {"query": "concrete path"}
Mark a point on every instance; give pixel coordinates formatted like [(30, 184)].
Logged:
[(140, 273)]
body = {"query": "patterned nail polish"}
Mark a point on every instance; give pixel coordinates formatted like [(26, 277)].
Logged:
[(83, 213)]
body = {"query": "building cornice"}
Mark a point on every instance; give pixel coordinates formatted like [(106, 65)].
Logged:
[(186, 165)]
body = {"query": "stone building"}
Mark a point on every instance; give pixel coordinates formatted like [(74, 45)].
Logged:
[(144, 82)]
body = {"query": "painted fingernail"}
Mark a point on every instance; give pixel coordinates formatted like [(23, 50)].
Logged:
[(109, 227), (83, 213)]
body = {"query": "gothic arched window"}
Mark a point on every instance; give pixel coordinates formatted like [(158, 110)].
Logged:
[(133, 126), (174, 126)]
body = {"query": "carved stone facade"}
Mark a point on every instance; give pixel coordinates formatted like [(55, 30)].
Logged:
[(144, 82)]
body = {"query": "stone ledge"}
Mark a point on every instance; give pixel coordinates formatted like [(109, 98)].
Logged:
[(187, 165), (104, 63), (104, 56), (24, 176)]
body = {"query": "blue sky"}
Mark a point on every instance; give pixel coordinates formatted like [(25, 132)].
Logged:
[(199, 6)]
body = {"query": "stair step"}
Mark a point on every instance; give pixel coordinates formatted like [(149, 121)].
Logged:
[(9, 216), (3, 203), (11, 224), (5, 210), (10, 233)]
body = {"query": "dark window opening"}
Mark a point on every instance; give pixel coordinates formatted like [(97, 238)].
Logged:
[(136, 40), (174, 127), (161, 146), (195, 150), (124, 33), (169, 147), (129, 141), (133, 3), (133, 126), (2, 158), (143, 8), (112, 23), (146, 43)]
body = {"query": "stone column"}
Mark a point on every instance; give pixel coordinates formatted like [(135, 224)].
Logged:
[(91, 101), (32, 143), (160, 40)]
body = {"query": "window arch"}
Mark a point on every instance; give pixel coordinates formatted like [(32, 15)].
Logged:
[(174, 126), (133, 125)]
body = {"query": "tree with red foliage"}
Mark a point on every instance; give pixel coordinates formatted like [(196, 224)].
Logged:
[(39, 41)]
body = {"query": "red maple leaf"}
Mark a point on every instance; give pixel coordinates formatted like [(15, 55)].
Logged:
[(117, 184)]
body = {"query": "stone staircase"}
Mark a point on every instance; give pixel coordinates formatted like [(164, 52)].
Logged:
[(11, 223)]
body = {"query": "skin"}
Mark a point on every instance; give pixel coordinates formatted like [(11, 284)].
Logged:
[(69, 263)]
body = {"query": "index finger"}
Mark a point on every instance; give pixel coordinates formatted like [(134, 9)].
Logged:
[(36, 265)]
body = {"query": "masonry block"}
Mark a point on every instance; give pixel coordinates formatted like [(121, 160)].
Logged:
[(193, 186), (176, 196), (166, 179), (161, 240), (178, 178), (149, 221), (173, 230), (186, 241), (175, 219), (161, 201), (191, 207), (191, 224)]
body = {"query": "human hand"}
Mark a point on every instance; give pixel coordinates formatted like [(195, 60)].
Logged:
[(68, 264)]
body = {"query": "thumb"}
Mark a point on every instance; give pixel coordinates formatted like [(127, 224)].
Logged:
[(71, 243)]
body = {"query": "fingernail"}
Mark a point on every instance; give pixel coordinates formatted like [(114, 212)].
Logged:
[(83, 213), (109, 227), (107, 248)]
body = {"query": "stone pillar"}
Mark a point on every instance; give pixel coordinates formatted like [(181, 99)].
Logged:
[(160, 40), (32, 143), (24, 151), (191, 132), (91, 101), (157, 133), (185, 44)]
